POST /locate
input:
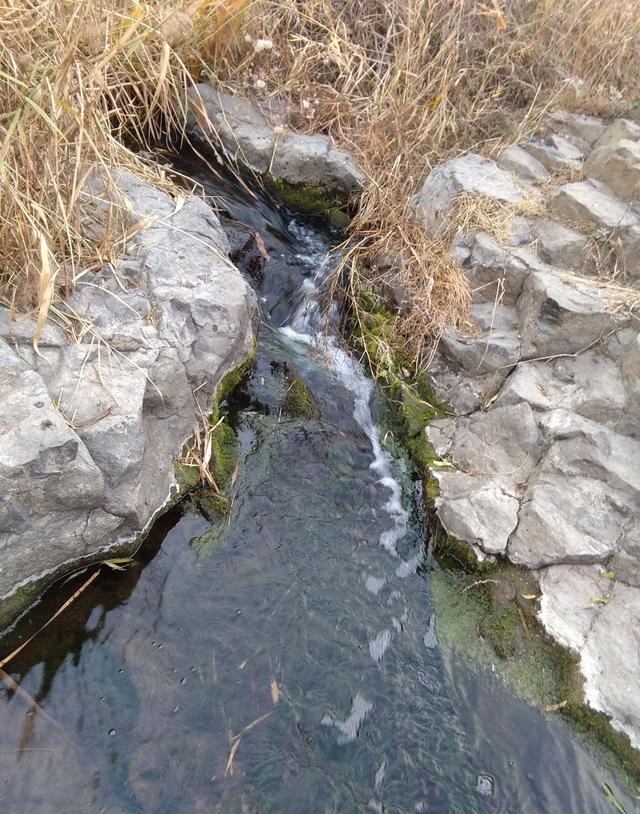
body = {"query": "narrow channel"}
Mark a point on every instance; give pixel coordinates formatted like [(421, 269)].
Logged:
[(283, 659)]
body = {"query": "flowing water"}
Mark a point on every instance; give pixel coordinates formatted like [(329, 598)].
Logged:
[(284, 660)]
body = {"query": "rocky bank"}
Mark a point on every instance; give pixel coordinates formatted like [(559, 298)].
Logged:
[(541, 462)]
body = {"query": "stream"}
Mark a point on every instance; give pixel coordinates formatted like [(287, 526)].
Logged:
[(284, 659)]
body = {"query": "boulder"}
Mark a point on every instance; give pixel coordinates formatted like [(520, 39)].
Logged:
[(91, 427), (497, 274), (496, 347), (585, 128), (589, 384), (618, 130), (598, 619), (478, 510), (469, 174), (554, 152), (590, 206), (240, 128), (618, 166), (523, 164), (560, 315), (560, 246), (581, 495)]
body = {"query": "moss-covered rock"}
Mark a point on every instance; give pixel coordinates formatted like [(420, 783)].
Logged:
[(309, 200), (298, 402)]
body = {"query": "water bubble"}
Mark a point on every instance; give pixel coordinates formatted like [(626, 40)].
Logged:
[(183, 680), (485, 784), (112, 732)]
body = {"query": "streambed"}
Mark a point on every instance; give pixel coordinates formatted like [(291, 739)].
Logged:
[(286, 658)]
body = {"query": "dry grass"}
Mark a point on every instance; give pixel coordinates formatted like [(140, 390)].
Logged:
[(402, 83)]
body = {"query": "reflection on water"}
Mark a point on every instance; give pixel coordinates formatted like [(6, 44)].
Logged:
[(286, 659)]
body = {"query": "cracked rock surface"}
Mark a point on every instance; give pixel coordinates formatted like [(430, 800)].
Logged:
[(545, 442), (90, 424)]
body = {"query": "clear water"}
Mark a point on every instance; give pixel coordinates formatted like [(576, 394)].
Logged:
[(284, 660)]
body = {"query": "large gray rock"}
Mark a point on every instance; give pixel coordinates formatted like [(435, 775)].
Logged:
[(587, 129), (554, 152), (91, 428), (618, 130), (497, 274), (563, 315), (560, 246), (618, 166), (469, 174), (240, 127), (523, 164), (598, 619), (495, 347), (590, 206)]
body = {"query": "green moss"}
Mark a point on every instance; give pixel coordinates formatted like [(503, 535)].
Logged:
[(298, 402), (224, 454), (309, 199)]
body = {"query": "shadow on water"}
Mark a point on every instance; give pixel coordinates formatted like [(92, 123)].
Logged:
[(284, 659)]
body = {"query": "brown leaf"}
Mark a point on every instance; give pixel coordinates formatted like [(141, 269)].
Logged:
[(261, 247)]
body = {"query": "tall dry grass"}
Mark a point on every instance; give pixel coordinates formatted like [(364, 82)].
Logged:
[(402, 83)]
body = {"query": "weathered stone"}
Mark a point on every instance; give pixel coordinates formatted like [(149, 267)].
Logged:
[(246, 136), (562, 315), (476, 509), (470, 174), (625, 564), (503, 443), (618, 130), (589, 205), (523, 164), (568, 605), (626, 246), (301, 159), (610, 661), (497, 274), (598, 619), (586, 128), (559, 245), (495, 348), (234, 121), (521, 232), (90, 474), (581, 496), (588, 384), (554, 152), (618, 166), (629, 422)]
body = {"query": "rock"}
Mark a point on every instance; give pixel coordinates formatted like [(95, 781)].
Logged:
[(618, 166), (246, 136), (559, 245), (582, 493), (497, 274), (523, 164), (590, 206), (626, 246), (618, 130), (77, 480), (554, 152), (629, 422), (562, 315), (503, 443), (567, 606), (235, 122), (497, 451), (589, 384), (598, 619), (476, 509), (496, 348), (521, 232), (469, 174), (610, 661), (625, 564), (586, 128), (311, 160)]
